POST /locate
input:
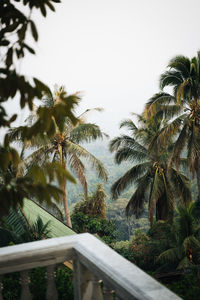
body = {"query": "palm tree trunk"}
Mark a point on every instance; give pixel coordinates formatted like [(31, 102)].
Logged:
[(66, 208), (64, 198)]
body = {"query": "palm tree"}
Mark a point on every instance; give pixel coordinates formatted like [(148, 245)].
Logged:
[(186, 246), (152, 180), (65, 147), (181, 109)]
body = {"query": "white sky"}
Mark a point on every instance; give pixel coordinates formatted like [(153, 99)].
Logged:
[(113, 51)]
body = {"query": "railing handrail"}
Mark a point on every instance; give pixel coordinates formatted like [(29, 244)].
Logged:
[(125, 278)]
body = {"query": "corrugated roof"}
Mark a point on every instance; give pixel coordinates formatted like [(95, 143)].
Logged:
[(56, 227), (16, 220), (30, 213)]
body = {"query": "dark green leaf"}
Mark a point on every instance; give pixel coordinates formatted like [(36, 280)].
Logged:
[(50, 6), (34, 31), (41, 86), (43, 10), (9, 59), (12, 27), (4, 43), (31, 50), (13, 118), (22, 32)]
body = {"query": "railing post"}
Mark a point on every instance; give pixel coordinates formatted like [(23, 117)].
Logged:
[(25, 293), (96, 289), (77, 279), (86, 285), (108, 293), (1, 288), (51, 293)]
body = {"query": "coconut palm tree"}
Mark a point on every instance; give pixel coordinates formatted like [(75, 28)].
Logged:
[(186, 245), (153, 182), (181, 109), (66, 147)]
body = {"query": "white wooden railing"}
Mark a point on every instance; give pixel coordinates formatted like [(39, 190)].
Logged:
[(93, 261)]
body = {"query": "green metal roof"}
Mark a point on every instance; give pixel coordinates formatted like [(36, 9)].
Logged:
[(29, 213), (16, 220), (56, 227)]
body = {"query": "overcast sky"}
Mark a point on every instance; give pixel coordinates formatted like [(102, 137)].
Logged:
[(113, 51)]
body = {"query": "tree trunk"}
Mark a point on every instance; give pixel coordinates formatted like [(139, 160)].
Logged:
[(65, 204), (64, 198)]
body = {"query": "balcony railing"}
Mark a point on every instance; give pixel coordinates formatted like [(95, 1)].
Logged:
[(93, 262)]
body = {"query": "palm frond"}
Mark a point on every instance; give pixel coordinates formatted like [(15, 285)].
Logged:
[(182, 64), (126, 141), (77, 166), (126, 153), (167, 132), (129, 124), (128, 178), (170, 78), (170, 255), (155, 194), (190, 242), (184, 263), (82, 152), (135, 205), (82, 117), (179, 145), (39, 156), (86, 133), (181, 186), (156, 101)]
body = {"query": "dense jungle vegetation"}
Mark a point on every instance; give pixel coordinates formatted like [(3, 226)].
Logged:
[(139, 192)]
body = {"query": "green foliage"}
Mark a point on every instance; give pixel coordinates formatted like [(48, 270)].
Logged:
[(15, 27), (94, 205), (30, 232), (185, 248), (124, 249), (187, 287), (126, 226), (38, 284), (36, 183), (11, 286), (94, 225), (64, 283)]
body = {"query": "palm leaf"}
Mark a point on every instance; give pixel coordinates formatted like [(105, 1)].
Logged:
[(126, 153), (82, 152), (85, 133), (77, 166), (129, 124), (170, 78), (136, 203), (128, 178), (127, 141), (170, 255)]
